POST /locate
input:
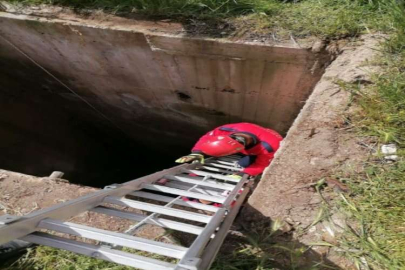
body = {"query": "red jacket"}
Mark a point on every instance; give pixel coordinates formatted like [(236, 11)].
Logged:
[(266, 143)]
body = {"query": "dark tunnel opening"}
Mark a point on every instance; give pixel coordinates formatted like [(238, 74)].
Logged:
[(43, 130)]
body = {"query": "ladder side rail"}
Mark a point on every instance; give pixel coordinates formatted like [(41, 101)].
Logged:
[(227, 203), (194, 251), (98, 252), (62, 211), (213, 247), (191, 259)]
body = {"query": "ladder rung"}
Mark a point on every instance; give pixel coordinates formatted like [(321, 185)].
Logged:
[(206, 183), (221, 162), (159, 209), (199, 190), (115, 238), (99, 252), (215, 169), (232, 168), (228, 159), (213, 175), (232, 159), (175, 191), (166, 223), (162, 198)]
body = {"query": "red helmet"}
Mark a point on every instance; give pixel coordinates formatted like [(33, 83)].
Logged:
[(219, 146)]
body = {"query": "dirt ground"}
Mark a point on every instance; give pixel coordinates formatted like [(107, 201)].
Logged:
[(22, 194), (320, 143)]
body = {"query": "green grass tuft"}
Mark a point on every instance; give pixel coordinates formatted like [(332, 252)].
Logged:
[(323, 18), (46, 258), (168, 8), (378, 200)]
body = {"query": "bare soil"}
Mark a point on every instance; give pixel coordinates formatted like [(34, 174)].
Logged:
[(320, 143), (22, 194)]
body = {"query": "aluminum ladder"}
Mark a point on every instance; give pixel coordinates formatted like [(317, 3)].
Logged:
[(210, 224)]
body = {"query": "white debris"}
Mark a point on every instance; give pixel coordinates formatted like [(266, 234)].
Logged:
[(391, 158), (389, 149), (328, 228)]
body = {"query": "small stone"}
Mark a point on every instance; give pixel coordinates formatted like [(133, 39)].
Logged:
[(318, 46), (313, 161), (315, 200), (289, 221), (286, 227), (391, 158), (312, 229)]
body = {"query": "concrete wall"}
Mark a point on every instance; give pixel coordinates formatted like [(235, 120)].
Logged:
[(166, 84), (74, 94)]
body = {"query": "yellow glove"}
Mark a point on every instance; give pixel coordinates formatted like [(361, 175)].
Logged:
[(191, 158)]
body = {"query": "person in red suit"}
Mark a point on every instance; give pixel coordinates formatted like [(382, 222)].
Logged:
[(257, 143)]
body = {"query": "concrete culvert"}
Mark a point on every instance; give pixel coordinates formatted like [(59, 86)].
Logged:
[(105, 104)]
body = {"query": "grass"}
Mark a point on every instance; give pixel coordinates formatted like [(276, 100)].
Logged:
[(262, 249), (377, 203), (379, 235), (46, 258), (167, 8), (323, 18)]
